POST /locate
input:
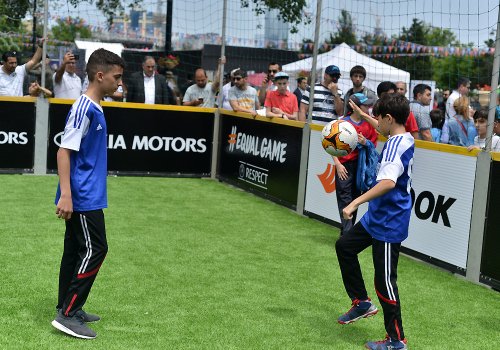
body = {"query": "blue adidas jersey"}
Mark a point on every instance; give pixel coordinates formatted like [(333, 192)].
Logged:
[(388, 216), (85, 134)]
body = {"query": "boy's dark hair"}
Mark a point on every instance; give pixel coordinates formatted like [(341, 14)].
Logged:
[(394, 104), (358, 70), (462, 81), (385, 86), (300, 79), (420, 89), (481, 114), (436, 117), (102, 60)]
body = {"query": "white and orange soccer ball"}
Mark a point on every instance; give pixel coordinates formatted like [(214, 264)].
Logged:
[(339, 138)]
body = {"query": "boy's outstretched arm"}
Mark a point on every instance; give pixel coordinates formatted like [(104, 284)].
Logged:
[(378, 190)]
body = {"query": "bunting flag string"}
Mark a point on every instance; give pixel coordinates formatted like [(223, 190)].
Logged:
[(180, 41)]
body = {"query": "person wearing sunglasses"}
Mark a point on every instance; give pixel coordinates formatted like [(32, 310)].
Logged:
[(327, 101), (225, 90), (268, 82), (242, 97)]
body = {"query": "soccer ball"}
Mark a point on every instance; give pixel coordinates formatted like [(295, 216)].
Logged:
[(339, 138)]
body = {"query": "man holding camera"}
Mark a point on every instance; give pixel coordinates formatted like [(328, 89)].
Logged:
[(202, 93), (12, 75), (66, 83), (327, 100)]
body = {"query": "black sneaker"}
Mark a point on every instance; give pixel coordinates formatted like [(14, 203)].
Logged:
[(359, 310), (87, 318), (387, 344), (74, 326)]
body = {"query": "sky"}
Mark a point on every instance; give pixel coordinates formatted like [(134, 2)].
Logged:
[(470, 20)]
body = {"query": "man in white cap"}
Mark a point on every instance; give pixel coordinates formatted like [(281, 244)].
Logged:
[(281, 103)]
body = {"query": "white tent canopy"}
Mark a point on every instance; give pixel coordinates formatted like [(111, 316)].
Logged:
[(345, 58), (91, 46)]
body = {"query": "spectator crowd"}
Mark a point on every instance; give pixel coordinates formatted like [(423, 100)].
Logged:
[(454, 120)]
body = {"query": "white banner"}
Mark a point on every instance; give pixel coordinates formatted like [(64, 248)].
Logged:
[(320, 186), (443, 185)]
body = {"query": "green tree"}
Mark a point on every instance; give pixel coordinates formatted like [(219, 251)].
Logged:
[(11, 14), (12, 11), (290, 11), (110, 8), (68, 29), (345, 30), (9, 44), (422, 65)]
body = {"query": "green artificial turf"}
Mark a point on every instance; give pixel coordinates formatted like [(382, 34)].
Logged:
[(197, 264)]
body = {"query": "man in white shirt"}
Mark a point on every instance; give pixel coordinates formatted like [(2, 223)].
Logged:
[(463, 86), (66, 83), (149, 87), (12, 75), (202, 94)]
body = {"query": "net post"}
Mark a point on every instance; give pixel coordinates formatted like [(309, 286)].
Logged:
[(306, 131), (482, 179), (216, 134)]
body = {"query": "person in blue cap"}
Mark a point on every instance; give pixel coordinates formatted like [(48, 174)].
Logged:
[(327, 101)]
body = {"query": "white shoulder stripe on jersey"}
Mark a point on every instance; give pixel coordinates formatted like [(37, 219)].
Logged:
[(390, 145), (74, 112), (395, 149), (83, 113)]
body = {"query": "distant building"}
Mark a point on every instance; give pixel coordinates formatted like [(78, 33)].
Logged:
[(275, 30), (139, 25)]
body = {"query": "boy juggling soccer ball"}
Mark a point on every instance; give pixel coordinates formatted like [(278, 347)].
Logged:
[(383, 227), (82, 196)]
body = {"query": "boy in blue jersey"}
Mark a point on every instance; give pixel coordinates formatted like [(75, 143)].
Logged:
[(384, 226), (81, 194)]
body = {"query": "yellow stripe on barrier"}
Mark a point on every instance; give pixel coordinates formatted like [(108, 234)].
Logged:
[(434, 146), (61, 101), (426, 145), (495, 156), (140, 106), (18, 99), (316, 127), (281, 121), (158, 107)]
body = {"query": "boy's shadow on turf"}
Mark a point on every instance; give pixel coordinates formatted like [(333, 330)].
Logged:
[(325, 239), (351, 336)]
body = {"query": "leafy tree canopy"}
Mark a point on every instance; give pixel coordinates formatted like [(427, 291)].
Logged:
[(68, 29), (346, 31), (11, 14)]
